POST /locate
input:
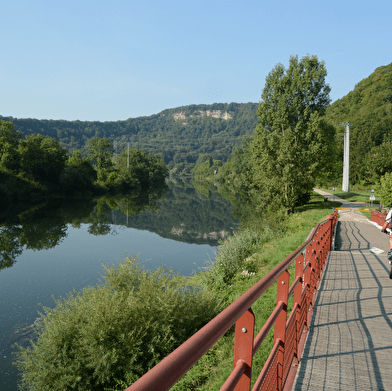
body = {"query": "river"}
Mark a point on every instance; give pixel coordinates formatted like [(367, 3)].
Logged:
[(45, 253)]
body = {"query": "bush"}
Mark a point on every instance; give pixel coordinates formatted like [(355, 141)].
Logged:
[(118, 330), (231, 256), (73, 179)]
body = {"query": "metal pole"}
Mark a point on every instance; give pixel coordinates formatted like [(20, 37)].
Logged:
[(346, 160)]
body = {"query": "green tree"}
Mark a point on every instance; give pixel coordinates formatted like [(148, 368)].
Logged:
[(158, 170), (242, 165), (289, 141), (377, 163), (78, 175), (386, 190), (42, 158), (144, 170), (100, 151), (9, 142), (10, 247)]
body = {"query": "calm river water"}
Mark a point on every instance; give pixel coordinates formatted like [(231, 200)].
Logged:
[(47, 253)]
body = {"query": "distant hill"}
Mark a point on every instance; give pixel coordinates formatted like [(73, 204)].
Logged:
[(368, 108), (180, 134)]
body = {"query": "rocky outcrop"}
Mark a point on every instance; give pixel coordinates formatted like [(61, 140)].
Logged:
[(208, 113)]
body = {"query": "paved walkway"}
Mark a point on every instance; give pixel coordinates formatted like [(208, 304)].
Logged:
[(349, 345)]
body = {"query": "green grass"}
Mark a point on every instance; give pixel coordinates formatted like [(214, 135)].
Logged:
[(356, 194)]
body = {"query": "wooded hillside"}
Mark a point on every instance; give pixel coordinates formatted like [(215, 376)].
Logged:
[(180, 135), (368, 108)]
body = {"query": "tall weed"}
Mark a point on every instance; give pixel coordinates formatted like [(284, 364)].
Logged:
[(231, 256)]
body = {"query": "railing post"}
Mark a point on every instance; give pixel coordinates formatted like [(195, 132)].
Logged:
[(317, 263), (280, 323), (297, 299), (331, 221), (243, 347), (309, 281)]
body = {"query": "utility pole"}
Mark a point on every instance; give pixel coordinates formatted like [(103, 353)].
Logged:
[(346, 159), (128, 157)]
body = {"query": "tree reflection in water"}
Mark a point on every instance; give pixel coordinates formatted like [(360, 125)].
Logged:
[(45, 227)]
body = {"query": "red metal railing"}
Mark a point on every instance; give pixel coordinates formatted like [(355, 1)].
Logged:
[(378, 217), (289, 334)]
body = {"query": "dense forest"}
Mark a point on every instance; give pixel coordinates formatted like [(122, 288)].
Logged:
[(178, 135)]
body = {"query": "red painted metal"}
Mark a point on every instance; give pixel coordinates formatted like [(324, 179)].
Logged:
[(289, 334), (378, 217), (243, 347), (280, 324)]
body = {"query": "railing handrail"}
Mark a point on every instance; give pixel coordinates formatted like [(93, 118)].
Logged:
[(166, 373)]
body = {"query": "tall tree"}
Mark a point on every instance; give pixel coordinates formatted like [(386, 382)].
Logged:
[(290, 140), (42, 158), (376, 163), (9, 142), (144, 170), (100, 151)]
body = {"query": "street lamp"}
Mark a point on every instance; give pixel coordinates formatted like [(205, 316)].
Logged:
[(346, 159)]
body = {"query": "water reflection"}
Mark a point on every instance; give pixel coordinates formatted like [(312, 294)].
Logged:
[(177, 211), (42, 228)]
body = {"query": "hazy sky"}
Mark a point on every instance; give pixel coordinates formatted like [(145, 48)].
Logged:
[(113, 60)]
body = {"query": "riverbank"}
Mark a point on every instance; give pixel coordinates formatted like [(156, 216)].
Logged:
[(286, 235)]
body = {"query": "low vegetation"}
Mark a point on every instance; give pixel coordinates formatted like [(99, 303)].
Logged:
[(115, 332)]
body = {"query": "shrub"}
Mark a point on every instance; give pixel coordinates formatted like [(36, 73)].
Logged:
[(97, 338), (73, 179), (229, 258)]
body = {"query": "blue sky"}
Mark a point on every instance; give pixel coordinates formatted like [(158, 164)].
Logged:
[(113, 60)]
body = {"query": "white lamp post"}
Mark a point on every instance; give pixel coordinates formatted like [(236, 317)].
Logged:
[(346, 159)]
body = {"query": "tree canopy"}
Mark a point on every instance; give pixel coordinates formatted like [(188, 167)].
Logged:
[(9, 141), (290, 140), (42, 158), (100, 152), (37, 166)]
